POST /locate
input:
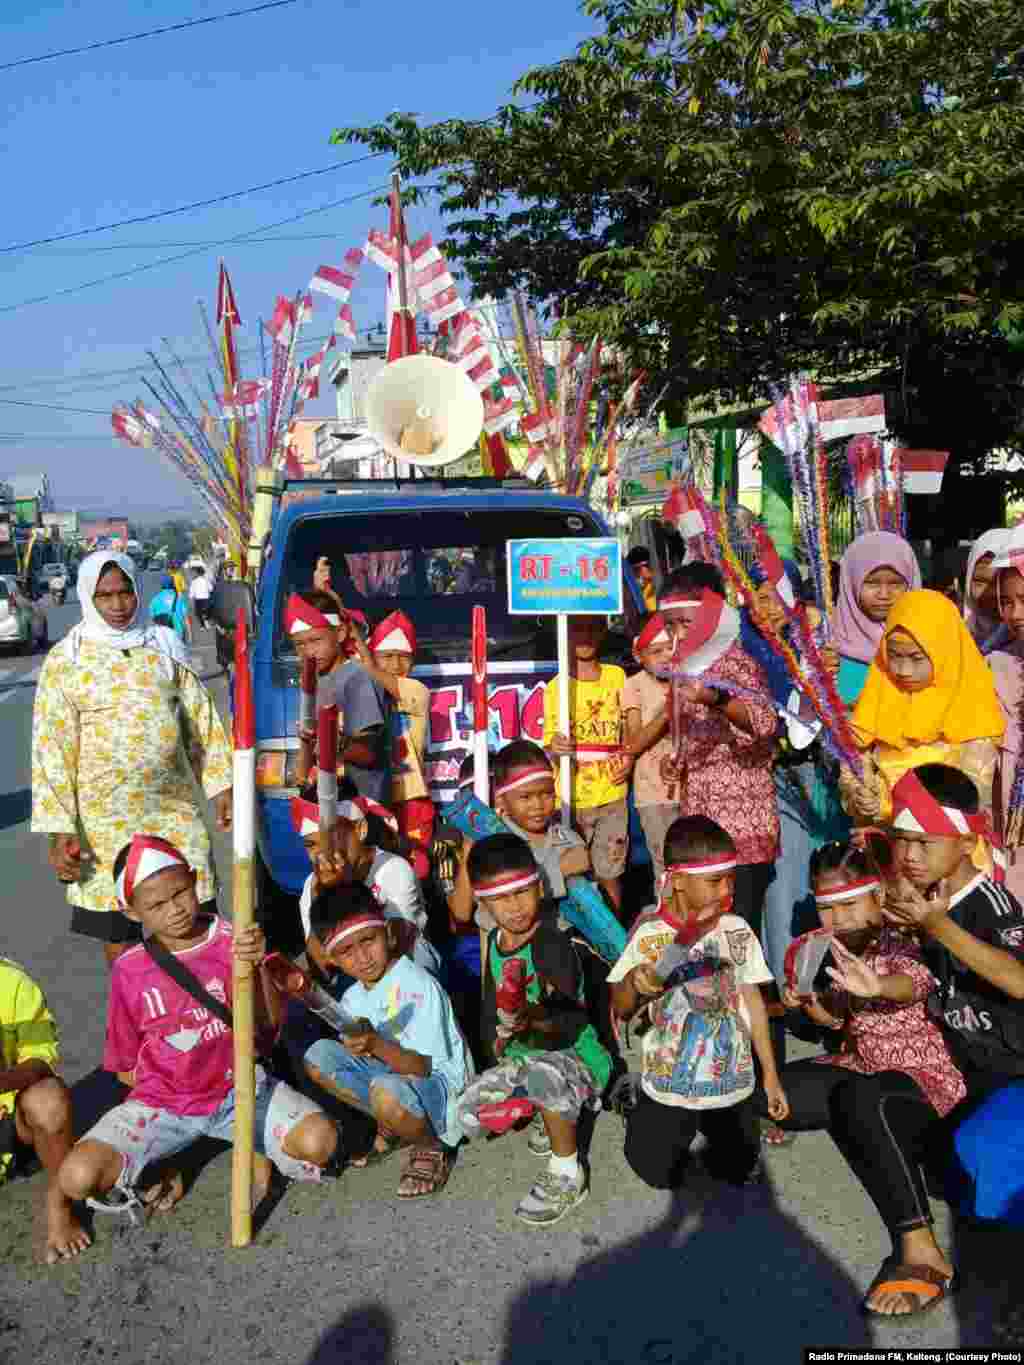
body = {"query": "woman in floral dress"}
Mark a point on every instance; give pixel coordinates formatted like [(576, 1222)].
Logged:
[(121, 725)]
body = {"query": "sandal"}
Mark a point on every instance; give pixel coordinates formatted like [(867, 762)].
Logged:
[(922, 1282), (426, 1172), (774, 1136)]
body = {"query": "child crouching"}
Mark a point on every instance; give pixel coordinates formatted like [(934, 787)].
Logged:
[(403, 1060), (707, 1014), (534, 1024), (176, 1054)]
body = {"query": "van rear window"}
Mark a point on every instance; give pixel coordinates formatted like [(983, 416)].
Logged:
[(435, 565)]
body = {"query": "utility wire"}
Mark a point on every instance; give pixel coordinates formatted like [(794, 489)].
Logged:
[(54, 407), (185, 255), (151, 33), (187, 208), (224, 198)]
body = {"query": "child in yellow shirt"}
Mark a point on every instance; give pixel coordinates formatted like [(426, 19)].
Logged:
[(600, 767)]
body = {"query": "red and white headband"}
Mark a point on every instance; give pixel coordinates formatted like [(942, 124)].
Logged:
[(300, 616), (848, 891), (147, 854), (675, 601), (655, 632), (704, 867), (521, 777), (396, 634), (306, 814), (916, 811), (369, 920), (505, 886)]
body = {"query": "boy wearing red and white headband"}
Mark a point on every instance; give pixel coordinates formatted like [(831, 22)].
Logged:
[(708, 1018), (319, 631), (645, 718), (600, 770), (549, 1059), (176, 1056), (404, 1061), (524, 797), (358, 858), (389, 657)]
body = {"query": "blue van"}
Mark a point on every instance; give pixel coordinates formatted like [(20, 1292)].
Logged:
[(434, 549)]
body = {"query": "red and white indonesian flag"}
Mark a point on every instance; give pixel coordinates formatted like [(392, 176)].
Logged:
[(837, 417), (715, 627), (682, 510), (282, 325), (337, 284), (922, 469)]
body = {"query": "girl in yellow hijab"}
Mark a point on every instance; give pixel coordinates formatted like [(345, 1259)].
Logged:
[(929, 698)]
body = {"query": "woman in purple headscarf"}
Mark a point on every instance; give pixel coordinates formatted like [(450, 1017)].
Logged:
[(877, 568)]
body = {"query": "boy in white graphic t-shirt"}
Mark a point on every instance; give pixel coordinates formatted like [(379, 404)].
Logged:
[(699, 969)]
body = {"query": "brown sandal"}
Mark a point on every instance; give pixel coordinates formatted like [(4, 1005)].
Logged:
[(921, 1282), (426, 1172)]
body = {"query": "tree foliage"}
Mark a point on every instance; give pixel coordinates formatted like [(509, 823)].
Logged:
[(733, 190)]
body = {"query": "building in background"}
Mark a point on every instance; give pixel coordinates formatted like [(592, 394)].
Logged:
[(109, 528)]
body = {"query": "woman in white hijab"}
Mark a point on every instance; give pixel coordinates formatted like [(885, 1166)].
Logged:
[(121, 726), (980, 610)]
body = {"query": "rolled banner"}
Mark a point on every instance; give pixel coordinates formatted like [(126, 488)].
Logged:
[(307, 696), (481, 758), (327, 777), (584, 906), (243, 1002)]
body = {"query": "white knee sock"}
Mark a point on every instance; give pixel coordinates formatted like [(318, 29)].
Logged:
[(568, 1166)]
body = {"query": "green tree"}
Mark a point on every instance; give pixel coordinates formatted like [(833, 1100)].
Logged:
[(730, 191)]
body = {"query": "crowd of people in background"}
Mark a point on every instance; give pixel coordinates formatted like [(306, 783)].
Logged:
[(439, 992)]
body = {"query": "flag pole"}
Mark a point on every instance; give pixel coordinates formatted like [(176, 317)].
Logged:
[(243, 914), (403, 283)]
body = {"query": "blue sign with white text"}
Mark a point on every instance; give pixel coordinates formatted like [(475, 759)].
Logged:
[(576, 576)]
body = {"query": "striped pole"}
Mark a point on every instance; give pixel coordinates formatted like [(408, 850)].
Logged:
[(243, 994)]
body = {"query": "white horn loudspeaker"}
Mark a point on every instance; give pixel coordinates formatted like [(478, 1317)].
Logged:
[(424, 409)]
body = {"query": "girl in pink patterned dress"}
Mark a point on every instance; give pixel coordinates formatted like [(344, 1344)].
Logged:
[(880, 992)]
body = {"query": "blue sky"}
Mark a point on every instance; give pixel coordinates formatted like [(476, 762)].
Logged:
[(164, 121)]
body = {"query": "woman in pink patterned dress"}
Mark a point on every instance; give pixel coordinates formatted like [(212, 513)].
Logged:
[(725, 730)]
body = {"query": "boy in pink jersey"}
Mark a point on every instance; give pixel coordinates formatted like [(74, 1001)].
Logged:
[(177, 1055)]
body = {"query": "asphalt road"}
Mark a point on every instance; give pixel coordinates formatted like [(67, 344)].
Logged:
[(345, 1272)]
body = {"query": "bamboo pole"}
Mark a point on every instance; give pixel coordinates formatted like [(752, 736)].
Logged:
[(243, 993)]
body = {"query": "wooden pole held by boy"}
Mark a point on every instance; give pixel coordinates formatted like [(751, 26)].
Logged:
[(243, 992)]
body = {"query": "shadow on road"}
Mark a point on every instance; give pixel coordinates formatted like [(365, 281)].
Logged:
[(720, 1281), (15, 807), (364, 1336)]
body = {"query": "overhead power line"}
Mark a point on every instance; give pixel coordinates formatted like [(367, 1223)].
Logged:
[(151, 33), (54, 407), (187, 208), (185, 255), (167, 246)]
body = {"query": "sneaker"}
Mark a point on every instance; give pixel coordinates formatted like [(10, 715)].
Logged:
[(551, 1198), (539, 1143)]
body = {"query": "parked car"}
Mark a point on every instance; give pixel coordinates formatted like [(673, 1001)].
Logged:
[(23, 625)]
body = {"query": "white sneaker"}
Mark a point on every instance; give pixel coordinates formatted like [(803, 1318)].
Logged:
[(551, 1198)]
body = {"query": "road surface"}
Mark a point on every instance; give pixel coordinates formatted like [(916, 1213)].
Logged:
[(345, 1272)]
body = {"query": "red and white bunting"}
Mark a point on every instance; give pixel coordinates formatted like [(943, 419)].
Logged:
[(837, 418), (129, 428), (534, 466), (306, 308), (922, 469), (337, 284), (535, 427), (344, 326), (245, 399), (499, 415), (282, 325)]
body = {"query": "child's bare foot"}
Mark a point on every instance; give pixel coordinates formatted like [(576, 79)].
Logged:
[(65, 1236), (383, 1145), (166, 1194)]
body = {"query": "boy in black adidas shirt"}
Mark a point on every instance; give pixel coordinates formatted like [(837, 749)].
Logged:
[(972, 933)]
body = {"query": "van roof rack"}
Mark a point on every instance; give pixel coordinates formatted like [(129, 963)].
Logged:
[(431, 485)]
